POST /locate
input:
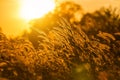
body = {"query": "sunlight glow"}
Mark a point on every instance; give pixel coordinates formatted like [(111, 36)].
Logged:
[(32, 9)]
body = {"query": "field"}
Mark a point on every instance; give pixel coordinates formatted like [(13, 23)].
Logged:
[(61, 47)]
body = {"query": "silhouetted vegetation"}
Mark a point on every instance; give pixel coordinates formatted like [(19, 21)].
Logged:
[(58, 48)]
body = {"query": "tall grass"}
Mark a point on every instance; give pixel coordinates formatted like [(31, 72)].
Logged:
[(58, 50)]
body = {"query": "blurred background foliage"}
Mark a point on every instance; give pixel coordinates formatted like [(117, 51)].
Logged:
[(67, 44)]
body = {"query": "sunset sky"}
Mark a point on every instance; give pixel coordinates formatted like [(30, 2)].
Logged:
[(12, 24)]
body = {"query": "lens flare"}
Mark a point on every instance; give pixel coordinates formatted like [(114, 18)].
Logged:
[(32, 9)]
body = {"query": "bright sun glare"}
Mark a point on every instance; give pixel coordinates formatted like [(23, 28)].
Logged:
[(31, 9)]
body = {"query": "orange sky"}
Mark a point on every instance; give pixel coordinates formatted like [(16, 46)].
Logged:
[(9, 19), (12, 24)]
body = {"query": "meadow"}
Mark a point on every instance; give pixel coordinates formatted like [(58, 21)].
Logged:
[(63, 47)]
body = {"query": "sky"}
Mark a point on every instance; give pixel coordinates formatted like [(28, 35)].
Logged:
[(12, 24)]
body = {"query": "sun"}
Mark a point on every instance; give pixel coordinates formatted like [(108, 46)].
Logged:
[(32, 9)]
